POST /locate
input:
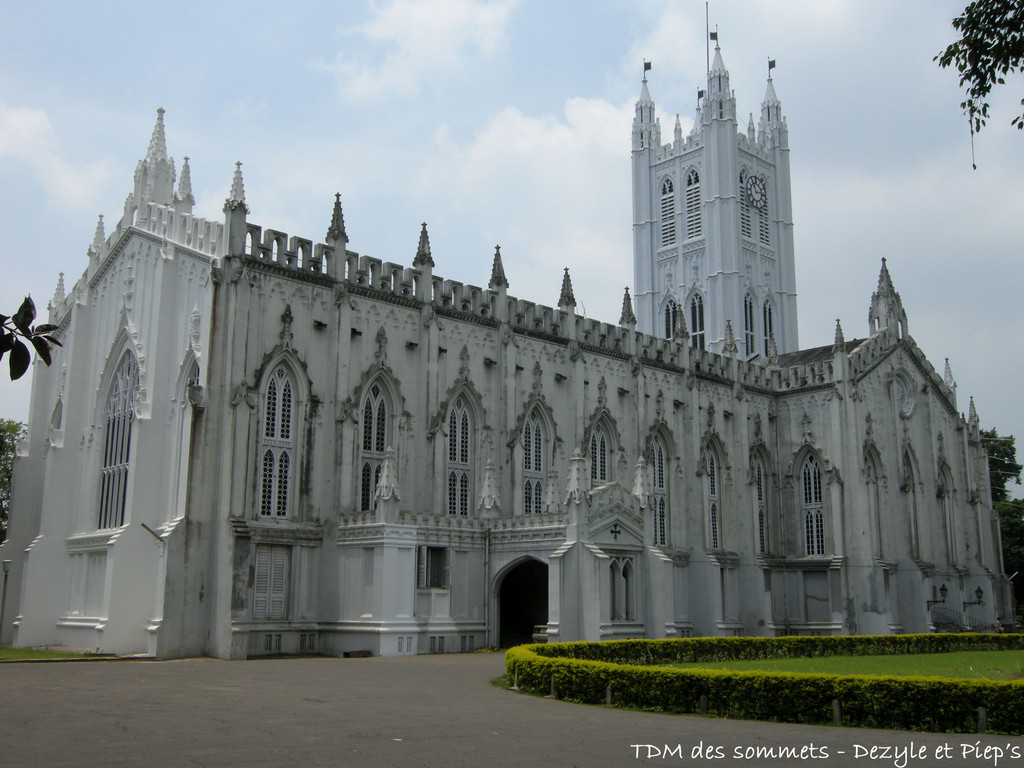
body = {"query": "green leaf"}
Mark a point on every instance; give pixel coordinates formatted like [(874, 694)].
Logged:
[(6, 342), (45, 328), (25, 315), (42, 349), (20, 359)]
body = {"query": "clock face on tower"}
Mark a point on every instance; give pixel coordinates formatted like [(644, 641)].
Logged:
[(757, 195)]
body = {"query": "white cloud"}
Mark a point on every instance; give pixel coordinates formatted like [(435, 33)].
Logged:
[(532, 181), (27, 136), (422, 38)]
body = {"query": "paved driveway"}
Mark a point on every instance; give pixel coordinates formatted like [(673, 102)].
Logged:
[(408, 711)]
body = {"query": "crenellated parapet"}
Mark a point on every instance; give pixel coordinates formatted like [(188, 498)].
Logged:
[(296, 254)]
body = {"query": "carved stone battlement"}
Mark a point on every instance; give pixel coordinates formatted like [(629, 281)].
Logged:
[(297, 253)]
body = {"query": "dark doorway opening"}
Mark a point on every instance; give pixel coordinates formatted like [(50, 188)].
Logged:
[(523, 602)]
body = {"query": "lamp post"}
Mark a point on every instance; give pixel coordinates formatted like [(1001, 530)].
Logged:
[(3, 595), (943, 591), (978, 593)]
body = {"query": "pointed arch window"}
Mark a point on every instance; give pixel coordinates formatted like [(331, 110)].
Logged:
[(693, 204), (697, 321), (117, 444), (910, 484), (713, 502), (460, 457), (534, 450), (745, 230), (659, 493), (671, 316), (277, 445), (769, 325), (814, 516), (874, 507), (762, 224), (599, 455), (374, 444), (948, 520), (668, 212), (621, 585), (760, 506), (749, 345)]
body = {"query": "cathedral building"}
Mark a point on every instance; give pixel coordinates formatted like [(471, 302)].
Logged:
[(252, 443)]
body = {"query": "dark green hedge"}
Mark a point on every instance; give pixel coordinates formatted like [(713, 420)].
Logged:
[(584, 671)]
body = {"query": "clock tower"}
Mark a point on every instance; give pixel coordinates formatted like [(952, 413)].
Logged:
[(713, 224)]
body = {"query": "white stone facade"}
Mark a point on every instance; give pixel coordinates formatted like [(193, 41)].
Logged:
[(252, 444)]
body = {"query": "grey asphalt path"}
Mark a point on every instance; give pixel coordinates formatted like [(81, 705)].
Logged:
[(407, 711)]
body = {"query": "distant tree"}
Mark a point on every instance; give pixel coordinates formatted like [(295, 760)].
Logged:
[(991, 46), (39, 337), (1003, 469), (11, 432)]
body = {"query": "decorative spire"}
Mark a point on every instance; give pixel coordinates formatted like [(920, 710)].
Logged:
[(972, 413), (947, 376), (678, 133), (627, 317), (646, 128), (489, 492), (498, 279), (840, 342), (58, 294), (730, 347), (184, 193), (236, 199), (157, 143), (336, 230), (886, 306), (640, 490), (98, 237), (679, 334), (566, 298), (751, 130), (773, 352), (574, 490), (387, 485)]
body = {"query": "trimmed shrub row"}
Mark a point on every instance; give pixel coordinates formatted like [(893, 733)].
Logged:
[(583, 672)]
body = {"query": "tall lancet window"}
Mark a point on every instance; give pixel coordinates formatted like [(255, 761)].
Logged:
[(769, 325), (760, 506), (534, 448), (460, 456), (749, 345), (671, 317), (668, 212), (814, 516), (693, 204), (599, 449), (659, 495), (277, 445), (373, 446), (762, 223), (117, 444), (697, 321), (713, 502), (744, 209)]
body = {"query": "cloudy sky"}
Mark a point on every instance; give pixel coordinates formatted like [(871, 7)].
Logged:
[(508, 122)]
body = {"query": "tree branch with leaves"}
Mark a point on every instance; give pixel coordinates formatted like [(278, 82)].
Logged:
[(991, 46), (19, 327)]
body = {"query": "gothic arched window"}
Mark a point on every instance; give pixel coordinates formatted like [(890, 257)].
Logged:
[(599, 455), (762, 221), (659, 492), (373, 445), (760, 506), (117, 444), (714, 503), (769, 326), (814, 516), (749, 345), (534, 448), (460, 457), (670, 318), (668, 213), (277, 445), (697, 321), (744, 209), (693, 204)]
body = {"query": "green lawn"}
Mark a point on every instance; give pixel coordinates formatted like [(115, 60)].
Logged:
[(990, 665), (8, 654)]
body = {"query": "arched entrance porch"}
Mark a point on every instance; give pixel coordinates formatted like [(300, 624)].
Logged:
[(522, 602)]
